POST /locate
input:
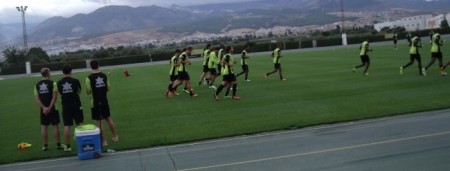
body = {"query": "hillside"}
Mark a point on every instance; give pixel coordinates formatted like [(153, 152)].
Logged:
[(110, 19)]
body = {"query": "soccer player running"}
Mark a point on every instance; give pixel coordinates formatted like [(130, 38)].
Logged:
[(45, 94), (173, 71), (229, 79), (244, 64), (414, 54), (220, 55), (364, 50), (395, 41), (70, 88), (183, 75), (205, 55), (276, 55), (97, 85), (212, 63), (436, 53)]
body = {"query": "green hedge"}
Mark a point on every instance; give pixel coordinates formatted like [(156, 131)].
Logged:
[(329, 42), (13, 70)]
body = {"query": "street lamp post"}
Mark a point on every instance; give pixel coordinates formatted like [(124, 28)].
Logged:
[(22, 10)]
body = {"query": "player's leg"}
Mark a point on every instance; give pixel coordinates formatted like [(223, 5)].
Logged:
[(433, 59), (275, 70), (68, 117), (246, 73), (44, 135), (220, 88), (102, 133), (234, 85), (280, 71), (54, 121), (411, 61), (419, 61)]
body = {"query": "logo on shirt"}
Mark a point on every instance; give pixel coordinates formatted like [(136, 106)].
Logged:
[(99, 82), (67, 88), (43, 88)]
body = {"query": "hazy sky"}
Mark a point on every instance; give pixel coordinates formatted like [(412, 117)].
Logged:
[(41, 9)]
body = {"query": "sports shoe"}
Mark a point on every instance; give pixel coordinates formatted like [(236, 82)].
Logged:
[(401, 70), (443, 73), (194, 95), (284, 79), (216, 97), (366, 74), (175, 92), (186, 91), (213, 87), (266, 76), (236, 98), (248, 80), (354, 69), (115, 138), (67, 149), (227, 97), (424, 72), (44, 148), (61, 147)]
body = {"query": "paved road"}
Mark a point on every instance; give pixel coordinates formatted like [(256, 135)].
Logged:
[(411, 142)]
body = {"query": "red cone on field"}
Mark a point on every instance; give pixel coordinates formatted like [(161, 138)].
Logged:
[(126, 73)]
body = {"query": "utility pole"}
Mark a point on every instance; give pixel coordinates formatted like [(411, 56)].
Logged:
[(342, 16), (22, 10)]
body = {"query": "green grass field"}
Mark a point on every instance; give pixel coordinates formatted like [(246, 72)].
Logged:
[(321, 89)]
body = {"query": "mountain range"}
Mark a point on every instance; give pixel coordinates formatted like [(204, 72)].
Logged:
[(206, 18)]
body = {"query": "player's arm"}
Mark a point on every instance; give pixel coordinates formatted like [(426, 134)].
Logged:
[(88, 86), (37, 99), (55, 95)]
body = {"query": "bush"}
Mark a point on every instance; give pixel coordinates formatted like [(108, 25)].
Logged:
[(329, 42)]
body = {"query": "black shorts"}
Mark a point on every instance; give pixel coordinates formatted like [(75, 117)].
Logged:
[(100, 111), (173, 77), (212, 71), (395, 41), (245, 68), (72, 113), (205, 68), (436, 55), (229, 78), (415, 57), (51, 118), (365, 59), (183, 76), (277, 66)]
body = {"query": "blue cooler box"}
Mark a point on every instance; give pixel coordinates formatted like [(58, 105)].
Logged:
[(88, 142)]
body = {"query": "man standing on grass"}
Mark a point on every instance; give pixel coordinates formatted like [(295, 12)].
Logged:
[(364, 50), (229, 79), (70, 89), (45, 94), (212, 63), (98, 85), (416, 43), (244, 58), (436, 53), (205, 55), (173, 70), (276, 55), (183, 75)]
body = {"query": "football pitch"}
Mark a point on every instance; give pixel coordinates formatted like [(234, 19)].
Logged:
[(320, 89)]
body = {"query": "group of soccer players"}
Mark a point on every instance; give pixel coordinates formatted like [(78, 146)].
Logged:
[(216, 62), (69, 88), (415, 43)]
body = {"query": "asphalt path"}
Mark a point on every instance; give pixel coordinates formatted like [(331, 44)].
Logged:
[(419, 141)]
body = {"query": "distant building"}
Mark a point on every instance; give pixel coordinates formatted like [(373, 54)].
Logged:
[(435, 22), (414, 23)]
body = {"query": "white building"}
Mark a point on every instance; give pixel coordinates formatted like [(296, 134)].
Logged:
[(435, 22), (409, 23)]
